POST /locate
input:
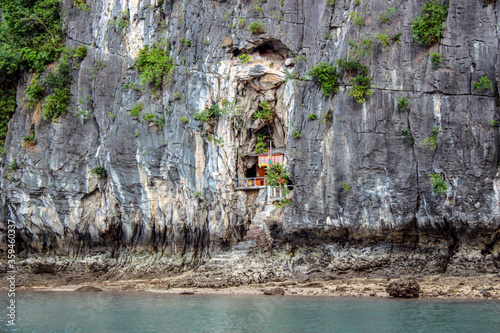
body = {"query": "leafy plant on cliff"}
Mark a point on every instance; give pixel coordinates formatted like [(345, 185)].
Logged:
[(13, 166), (29, 140), (427, 27), (34, 92), (260, 146), (483, 84), (431, 141), (244, 58), (360, 88), (123, 22), (361, 82), (296, 134), (99, 172), (312, 116), (276, 175), (263, 112), (31, 37), (80, 53), (406, 134), (438, 186), (208, 113), (56, 104), (384, 17), (352, 66), (256, 28), (403, 104), (326, 74), (360, 50), (153, 65), (82, 5), (436, 58), (384, 39), (346, 187), (136, 110), (356, 18), (186, 41)]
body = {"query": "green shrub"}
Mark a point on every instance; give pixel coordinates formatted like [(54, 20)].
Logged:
[(384, 17), (352, 66), (494, 123), (276, 175), (256, 28), (82, 5), (31, 37), (296, 134), (330, 2), (356, 19), (150, 117), (436, 58), (30, 139), (123, 22), (244, 58), (56, 104), (208, 113), (96, 67), (312, 116), (60, 77), (175, 97), (13, 166), (384, 39), (153, 64), (360, 88), (80, 53), (99, 172), (360, 50), (427, 27), (326, 75), (395, 38), (7, 109), (406, 133), (184, 119), (261, 145), (136, 110), (263, 112), (438, 186), (186, 41), (431, 141), (483, 84), (34, 92), (346, 187), (403, 104)]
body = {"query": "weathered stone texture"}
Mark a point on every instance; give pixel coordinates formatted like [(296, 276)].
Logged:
[(171, 190)]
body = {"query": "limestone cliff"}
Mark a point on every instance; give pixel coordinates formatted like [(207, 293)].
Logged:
[(359, 183)]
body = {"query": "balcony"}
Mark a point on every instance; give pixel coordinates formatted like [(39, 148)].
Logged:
[(252, 183)]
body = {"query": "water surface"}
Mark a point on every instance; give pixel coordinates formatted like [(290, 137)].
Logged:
[(149, 312)]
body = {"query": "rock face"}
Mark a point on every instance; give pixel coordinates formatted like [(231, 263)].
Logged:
[(171, 191), (274, 292), (404, 289)]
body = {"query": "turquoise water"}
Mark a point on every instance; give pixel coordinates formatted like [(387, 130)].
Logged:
[(148, 312)]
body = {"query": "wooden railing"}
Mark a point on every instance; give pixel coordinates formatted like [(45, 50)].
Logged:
[(251, 182), (277, 192)]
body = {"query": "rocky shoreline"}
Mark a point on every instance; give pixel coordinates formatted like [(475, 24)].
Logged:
[(438, 287)]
